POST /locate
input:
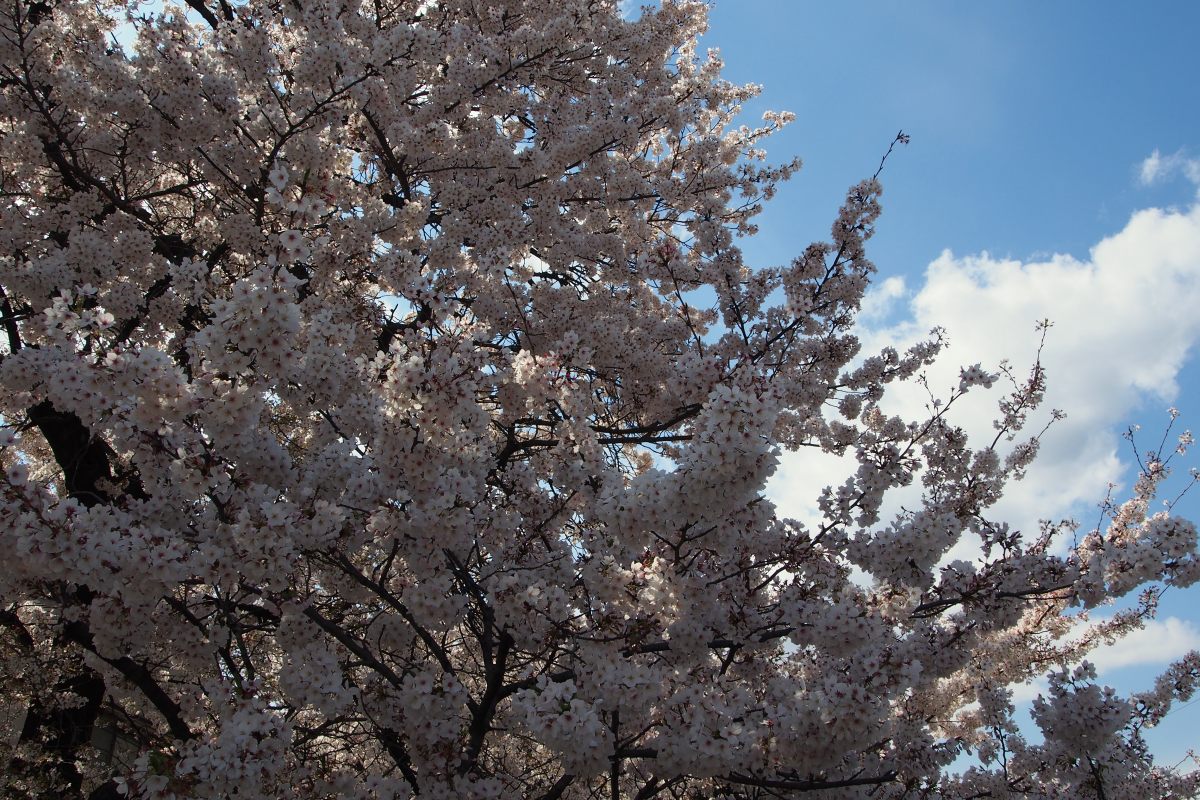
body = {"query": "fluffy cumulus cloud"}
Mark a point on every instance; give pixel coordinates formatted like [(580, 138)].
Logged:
[(1124, 325), (882, 299)]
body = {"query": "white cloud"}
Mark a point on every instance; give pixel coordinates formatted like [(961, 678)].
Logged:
[(1027, 692), (881, 298), (1152, 168), (1123, 326), (1158, 168), (1159, 643), (1124, 322), (796, 485)]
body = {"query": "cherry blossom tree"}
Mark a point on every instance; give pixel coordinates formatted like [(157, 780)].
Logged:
[(387, 410)]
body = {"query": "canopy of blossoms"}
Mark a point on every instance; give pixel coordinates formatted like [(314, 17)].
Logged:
[(387, 412)]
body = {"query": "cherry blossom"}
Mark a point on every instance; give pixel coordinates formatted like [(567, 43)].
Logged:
[(386, 410)]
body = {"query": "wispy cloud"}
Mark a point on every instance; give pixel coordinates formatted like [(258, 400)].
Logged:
[(1157, 168), (1159, 643)]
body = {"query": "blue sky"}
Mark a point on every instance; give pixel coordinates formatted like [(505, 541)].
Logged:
[(1029, 119), (1053, 172)]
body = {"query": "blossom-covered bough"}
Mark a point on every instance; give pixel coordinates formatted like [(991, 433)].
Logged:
[(387, 411)]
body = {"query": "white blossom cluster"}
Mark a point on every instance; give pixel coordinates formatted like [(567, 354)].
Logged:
[(386, 411)]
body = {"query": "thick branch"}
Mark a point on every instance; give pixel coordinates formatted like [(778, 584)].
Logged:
[(84, 460), (396, 749), (139, 676), (203, 11), (809, 786), (560, 786), (354, 646)]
